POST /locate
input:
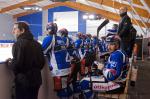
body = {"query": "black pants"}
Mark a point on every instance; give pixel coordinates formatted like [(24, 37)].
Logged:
[(26, 92), (76, 70), (127, 46)]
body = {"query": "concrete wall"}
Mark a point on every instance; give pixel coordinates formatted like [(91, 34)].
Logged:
[(6, 25), (92, 25)]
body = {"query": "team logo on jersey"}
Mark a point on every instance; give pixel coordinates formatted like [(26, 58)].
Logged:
[(113, 64)]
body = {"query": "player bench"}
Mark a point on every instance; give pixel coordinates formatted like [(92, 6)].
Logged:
[(123, 95)]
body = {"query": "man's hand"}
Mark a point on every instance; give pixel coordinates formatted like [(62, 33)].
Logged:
[(8, 61)]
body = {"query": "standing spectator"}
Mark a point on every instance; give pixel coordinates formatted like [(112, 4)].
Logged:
[(27, 62), (124, 31)]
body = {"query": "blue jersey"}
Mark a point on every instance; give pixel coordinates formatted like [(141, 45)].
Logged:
[(116, 66), (55, 49), (73, 52), (102, 46), (79, 45), (88, 45), (95, 44), (115, 70)]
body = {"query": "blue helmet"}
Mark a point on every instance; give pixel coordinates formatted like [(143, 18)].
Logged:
[(51, 28), (112, 40)]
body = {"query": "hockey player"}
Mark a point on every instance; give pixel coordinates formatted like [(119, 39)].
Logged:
[(103, 50), (95, 46), (114, 72), (89, 53), (113, 30), (58, 57), (79, 44), (74, 54), (117, 65), (103, 45), (95, 42)]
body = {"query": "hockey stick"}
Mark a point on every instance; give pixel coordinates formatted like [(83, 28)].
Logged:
[(105, 22)]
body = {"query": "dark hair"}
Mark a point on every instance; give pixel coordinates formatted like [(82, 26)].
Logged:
[(23, 25)]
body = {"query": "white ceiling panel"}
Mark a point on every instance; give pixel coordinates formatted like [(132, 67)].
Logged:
[(15, 11), (110, 9), (44, 3), (6, 3)]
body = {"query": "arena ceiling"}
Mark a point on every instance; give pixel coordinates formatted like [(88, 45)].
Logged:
[(139, 10)]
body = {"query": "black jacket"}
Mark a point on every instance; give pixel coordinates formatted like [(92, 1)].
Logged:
[(28, 60), (124, 27)]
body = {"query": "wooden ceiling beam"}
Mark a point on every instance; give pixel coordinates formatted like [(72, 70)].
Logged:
[(104, 13), (81, 7), (44, 8), (137, 2), (147, 2), (117, 5), (53, 5), (18, 5)]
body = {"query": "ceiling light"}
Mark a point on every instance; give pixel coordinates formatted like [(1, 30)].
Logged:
[(91, 17), (27, 8), (85, 17), (88, 16), (32, 8)]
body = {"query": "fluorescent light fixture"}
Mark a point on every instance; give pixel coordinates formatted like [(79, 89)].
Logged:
[(36, 8), (32, 8), (88, 16), (27, 8), (85, 17), (40, 9), (91, 16)]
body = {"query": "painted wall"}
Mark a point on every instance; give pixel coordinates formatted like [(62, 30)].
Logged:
[(81, 22), (35, 22), (39, 20), (6, 25), (57, 9), (92, 25), (68, 20)]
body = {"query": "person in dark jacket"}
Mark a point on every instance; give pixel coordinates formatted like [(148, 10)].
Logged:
[(27, 62), (124, 31)]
